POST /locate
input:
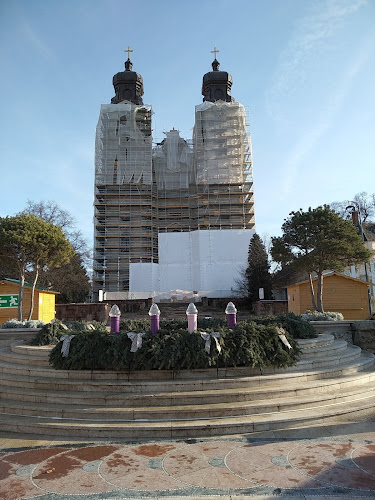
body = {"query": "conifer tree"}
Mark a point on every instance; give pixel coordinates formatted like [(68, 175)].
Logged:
[(257, 273), (316, 241)]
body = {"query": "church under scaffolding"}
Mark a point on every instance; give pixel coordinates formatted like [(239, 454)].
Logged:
[(177, 216)]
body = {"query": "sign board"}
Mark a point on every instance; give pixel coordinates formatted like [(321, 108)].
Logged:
[(9, 300), (261, 293)]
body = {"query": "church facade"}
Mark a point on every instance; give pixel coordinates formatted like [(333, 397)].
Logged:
[(176, 217)]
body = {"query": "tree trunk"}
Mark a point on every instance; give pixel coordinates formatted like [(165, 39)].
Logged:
[(20, 292), (32, 292), (313, 301), (320, 292)]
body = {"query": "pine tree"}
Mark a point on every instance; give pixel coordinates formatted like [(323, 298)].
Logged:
[(257, 272), (316, 241)]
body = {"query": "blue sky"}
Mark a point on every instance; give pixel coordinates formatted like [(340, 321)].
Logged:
[(305, 71)]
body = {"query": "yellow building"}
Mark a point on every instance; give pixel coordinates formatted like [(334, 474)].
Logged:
[(343, 294), (44, 301)]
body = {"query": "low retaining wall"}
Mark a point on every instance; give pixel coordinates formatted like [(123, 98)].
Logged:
[(9, 336), (270, 307), (99, 311), (360, 333)]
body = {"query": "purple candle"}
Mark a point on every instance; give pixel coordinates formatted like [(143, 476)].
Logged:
[(231, 313), (115, 314), (154, 314)]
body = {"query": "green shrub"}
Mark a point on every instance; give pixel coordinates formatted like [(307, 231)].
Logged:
[(14, 323), (49, 334), (296, 326), (319, 316)]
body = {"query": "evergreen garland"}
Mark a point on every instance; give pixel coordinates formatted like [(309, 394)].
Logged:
[(247, 344)]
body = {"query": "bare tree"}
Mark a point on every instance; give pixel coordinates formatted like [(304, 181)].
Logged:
[(365, 203)]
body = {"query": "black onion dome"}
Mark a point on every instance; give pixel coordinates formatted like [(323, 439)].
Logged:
[(128, 85), (217, 84)]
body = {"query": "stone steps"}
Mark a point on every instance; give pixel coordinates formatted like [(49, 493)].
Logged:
[(331, 379), (174, 410), (91, 429)]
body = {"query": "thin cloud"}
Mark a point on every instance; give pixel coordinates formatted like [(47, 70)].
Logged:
[(311, 40), (311, 37), (35, 40), (311, 137)]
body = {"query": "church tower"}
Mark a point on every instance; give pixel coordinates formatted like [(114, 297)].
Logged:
[(124, 201), (223, 157)]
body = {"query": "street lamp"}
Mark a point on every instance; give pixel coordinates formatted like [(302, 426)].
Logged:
[(355, 209)]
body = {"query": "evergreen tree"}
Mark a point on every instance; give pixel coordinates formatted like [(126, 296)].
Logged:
[(71, 279), (316, 241), (257, 272), (28, 242)]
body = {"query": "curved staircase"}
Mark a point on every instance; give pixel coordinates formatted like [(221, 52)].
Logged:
[(331, 379)]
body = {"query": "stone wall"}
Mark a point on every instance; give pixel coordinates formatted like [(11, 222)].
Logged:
[(270, 307), (99, 311), (360, 333), (364, 334)]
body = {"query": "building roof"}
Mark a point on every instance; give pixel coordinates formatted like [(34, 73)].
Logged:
[(17, 282), (332, 273)]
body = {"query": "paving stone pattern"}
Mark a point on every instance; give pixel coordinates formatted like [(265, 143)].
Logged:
[(241, 467)]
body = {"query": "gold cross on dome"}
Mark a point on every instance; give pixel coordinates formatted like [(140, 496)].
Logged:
[(215, 51), (128, 51)]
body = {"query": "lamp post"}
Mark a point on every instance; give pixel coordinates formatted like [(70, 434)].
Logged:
[(192, 314), (355, 209), (115, 314), (154, 314)]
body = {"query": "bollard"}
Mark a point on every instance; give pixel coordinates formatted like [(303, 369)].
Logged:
[(115, 314), (154, 314), (192, 314), (231, 313)]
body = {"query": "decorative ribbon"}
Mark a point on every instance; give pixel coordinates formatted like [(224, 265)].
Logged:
[(284, 340), (136, 339), (207, 337), (66, 339)]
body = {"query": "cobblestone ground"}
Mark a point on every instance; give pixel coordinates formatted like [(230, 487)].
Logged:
[(336, 461)]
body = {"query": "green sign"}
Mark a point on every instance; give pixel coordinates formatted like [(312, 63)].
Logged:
[(9, 300)]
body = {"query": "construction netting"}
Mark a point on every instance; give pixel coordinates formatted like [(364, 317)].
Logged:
[(222, 144), (173, 162), (123, 146)]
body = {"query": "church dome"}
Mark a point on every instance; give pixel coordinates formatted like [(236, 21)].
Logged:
[(128, 85), (217, 85)]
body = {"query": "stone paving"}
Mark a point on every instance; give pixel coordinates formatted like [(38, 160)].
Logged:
[(325, 461)]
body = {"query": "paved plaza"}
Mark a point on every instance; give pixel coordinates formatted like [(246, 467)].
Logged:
[(335, 460)]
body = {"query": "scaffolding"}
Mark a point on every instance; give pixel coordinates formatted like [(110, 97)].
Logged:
[(125, 221), (141, 192)]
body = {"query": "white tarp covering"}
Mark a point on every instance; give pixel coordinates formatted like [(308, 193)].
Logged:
[(206, 261), (123, 133)]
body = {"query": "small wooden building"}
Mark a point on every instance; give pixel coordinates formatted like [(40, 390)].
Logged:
[(44, 301), (348, 296)]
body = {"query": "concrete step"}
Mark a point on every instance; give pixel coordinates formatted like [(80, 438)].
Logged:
[(331, 379), (93, 429), (183, 409)]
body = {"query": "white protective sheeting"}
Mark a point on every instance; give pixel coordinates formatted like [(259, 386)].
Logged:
[(207, 262), (222, 144), (123, 133), (173, 162)]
